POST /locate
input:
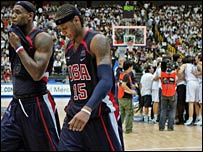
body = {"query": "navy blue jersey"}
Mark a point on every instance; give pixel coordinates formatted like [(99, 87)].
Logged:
[(82, 69), (23, 84)]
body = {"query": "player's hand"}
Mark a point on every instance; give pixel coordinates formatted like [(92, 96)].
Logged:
[(79, 121), (14, 40)]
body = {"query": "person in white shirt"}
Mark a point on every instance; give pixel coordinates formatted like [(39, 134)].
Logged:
[(198, 74), (146, 91), (192, 88), (155, 93)]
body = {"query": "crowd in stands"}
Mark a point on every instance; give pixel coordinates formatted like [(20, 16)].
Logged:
[(170, 29), (179, 27)]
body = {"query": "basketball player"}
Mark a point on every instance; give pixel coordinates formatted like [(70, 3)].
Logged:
[(192, 89), (91, 122), (31, 121), (198, 74)]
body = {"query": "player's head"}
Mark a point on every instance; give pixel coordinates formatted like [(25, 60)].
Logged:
[(127, 64), (68, 17), (149, 69), (176, 57), (66, 13), (23, 13)]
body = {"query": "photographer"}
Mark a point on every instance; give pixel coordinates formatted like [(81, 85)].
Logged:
[(168, 97)]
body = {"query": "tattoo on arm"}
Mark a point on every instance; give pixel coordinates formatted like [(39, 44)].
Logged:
[(44, 42), (101, 48)]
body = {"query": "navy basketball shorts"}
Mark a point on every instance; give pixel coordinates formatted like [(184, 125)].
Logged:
[(99, 134), (147, 100), (30, 124)]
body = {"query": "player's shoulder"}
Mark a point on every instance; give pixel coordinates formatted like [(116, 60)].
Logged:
[(44, 36), (99, 39)]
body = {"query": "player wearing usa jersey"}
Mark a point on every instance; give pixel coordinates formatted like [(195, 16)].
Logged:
[(31, 121), (91, 122)]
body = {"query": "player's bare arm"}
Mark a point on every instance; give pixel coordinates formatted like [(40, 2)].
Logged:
[(101, 48), (182, 69), (43, 44), (199, 70), (126, 88)]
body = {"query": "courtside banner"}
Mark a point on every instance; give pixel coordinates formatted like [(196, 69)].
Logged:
[(58, 90)]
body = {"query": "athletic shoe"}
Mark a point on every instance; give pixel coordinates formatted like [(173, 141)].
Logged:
[(196, 121), (166, 124), (188, 123), (129, 131), (145, 118), (161, 129), (154, 121), (199, 123), (170, 129)]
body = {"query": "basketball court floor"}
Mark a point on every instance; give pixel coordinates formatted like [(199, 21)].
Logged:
[(147, 137)]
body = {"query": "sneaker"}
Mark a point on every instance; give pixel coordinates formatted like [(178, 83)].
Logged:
[(199, 123), (196, 121), (154, 121), (188, 123), (129, 131), (161, 129), (166, 122), (170, 129), (145, 118)]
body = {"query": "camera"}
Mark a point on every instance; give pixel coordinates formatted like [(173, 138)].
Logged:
[(168, 66)]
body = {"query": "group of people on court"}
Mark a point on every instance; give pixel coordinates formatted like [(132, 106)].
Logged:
[(171, 94), (31, 121)]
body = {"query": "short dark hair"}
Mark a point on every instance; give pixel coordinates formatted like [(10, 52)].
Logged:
[(66, 13), (185, 60), (147, 68), (176, 57), (127, 64), (191, 59)]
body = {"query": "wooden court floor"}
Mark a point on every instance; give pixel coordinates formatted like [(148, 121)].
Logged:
[(147, 137)]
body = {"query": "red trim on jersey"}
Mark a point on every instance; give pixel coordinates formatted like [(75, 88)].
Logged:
[(113, 100), (82, 42), (70, 45), (106, 132), (45, 79), (44, 124), (51, 101), (85, 45), (29, 39), (99, 111)]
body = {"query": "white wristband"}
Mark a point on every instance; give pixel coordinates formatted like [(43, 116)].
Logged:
[(85, 110), (19, 49)]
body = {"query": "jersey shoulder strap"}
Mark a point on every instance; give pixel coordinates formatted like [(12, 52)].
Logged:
[(32, 35), (35, 32)]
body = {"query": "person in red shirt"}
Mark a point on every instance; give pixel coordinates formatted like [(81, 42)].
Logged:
[(168, 97)]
